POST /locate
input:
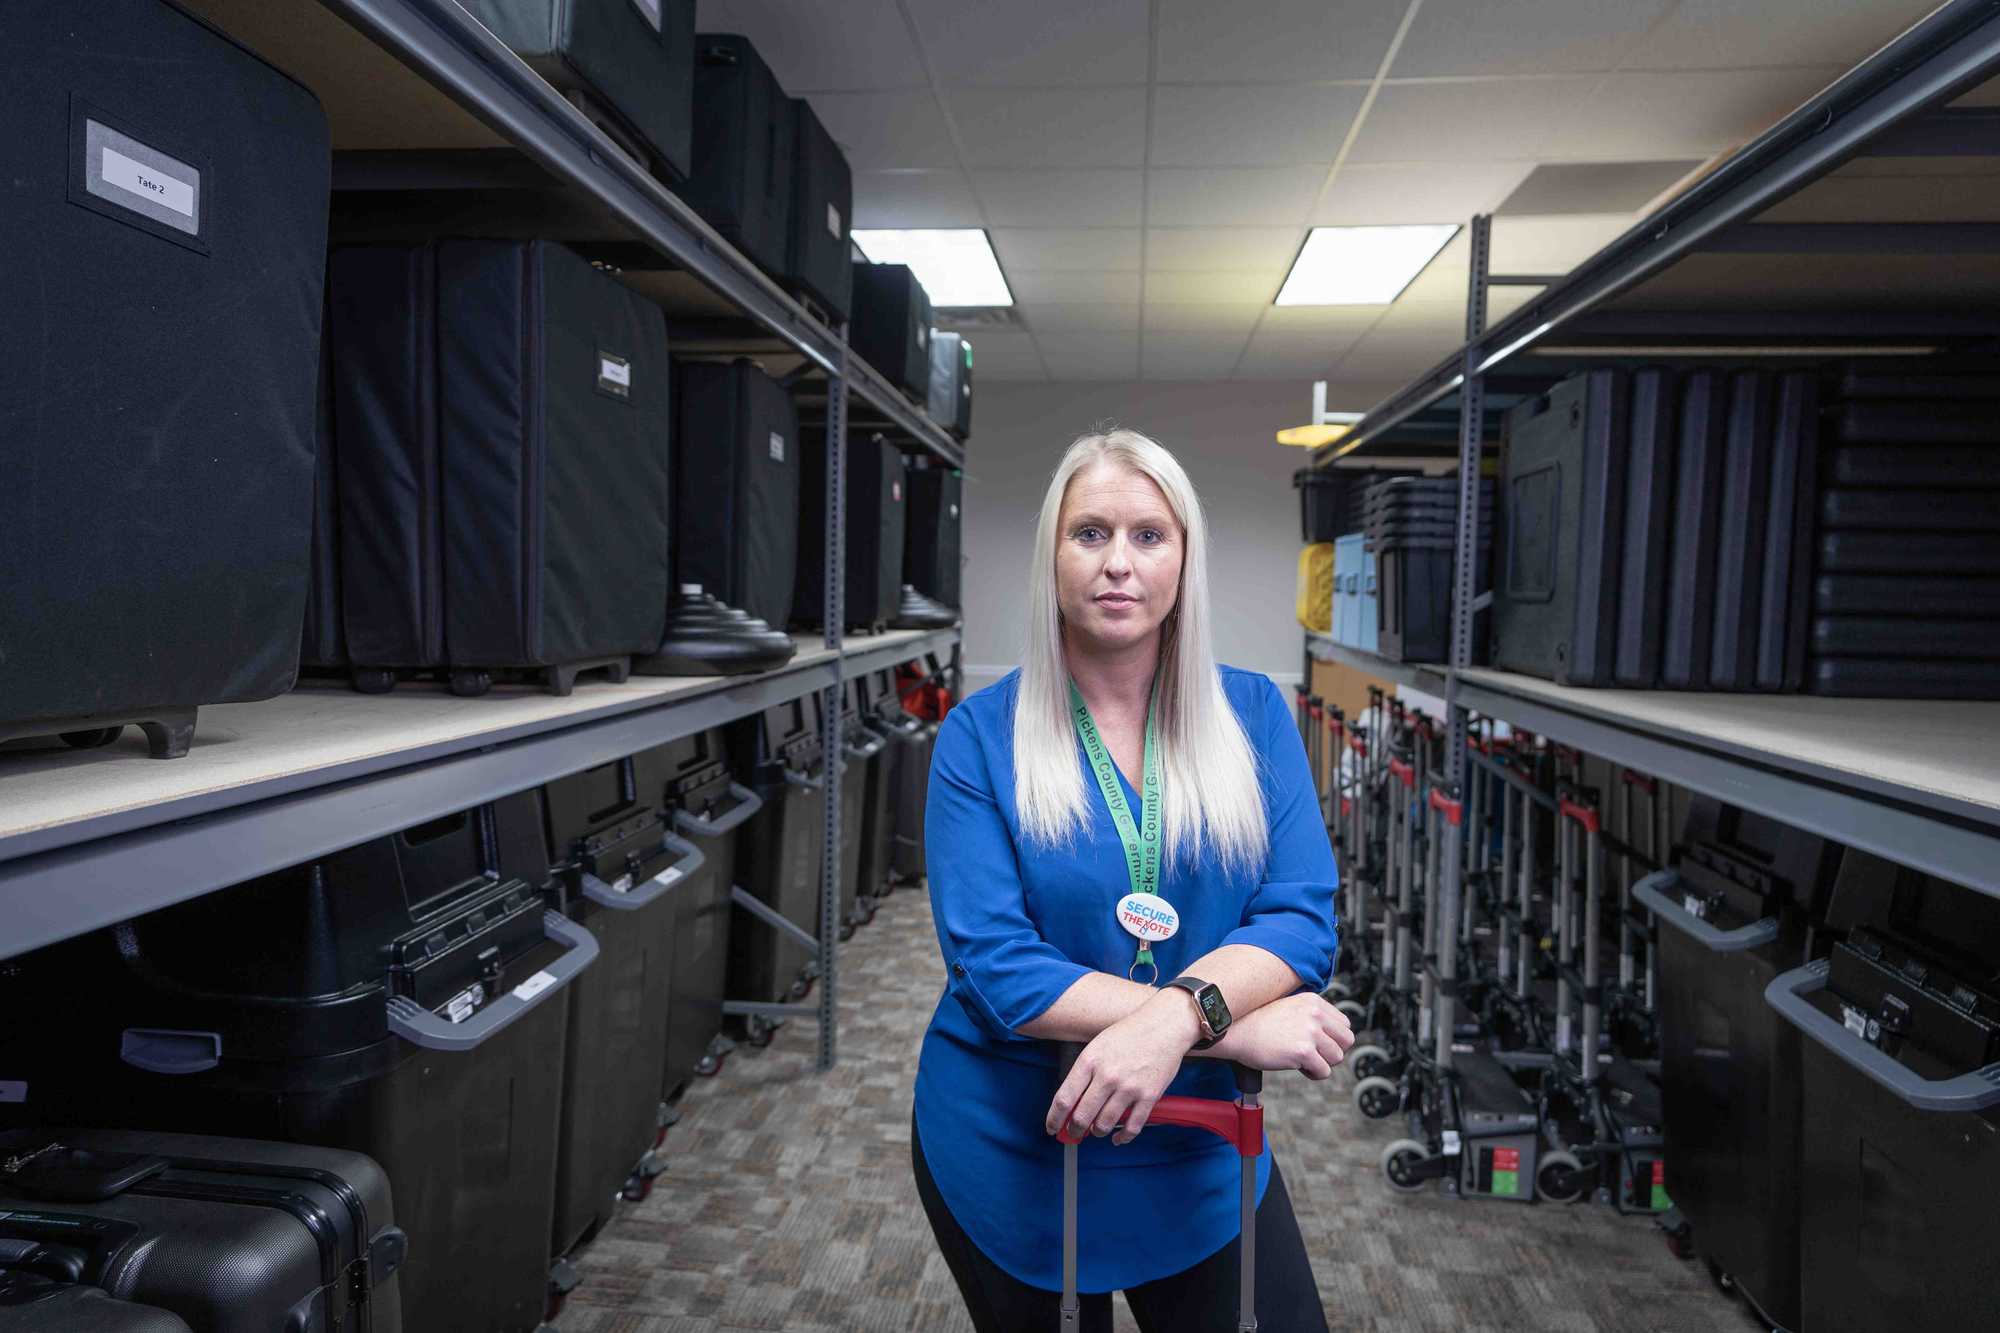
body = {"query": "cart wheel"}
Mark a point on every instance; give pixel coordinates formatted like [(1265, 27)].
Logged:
[(759, 1031), (708, 1066), (471, 684), (1400, 1161), (93, 739), (1559, 1178), (1357, 1014), (846, 931), (1377, 1098), (1337, 991), (1723, 1282), (374, 680), (1367, 1062)]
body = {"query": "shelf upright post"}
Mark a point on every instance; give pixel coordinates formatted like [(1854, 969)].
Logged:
[(834, 756), (1465, 565)]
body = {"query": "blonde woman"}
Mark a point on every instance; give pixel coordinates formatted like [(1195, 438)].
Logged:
[(1125, 851)]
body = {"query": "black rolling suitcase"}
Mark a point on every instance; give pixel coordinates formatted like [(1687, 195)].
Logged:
[(230, 1235), (406, 998), (931, 537), (778, 854), (626, 64), (165, 229), (741, 177), (1687, 646), (822, 217), (950, 400), (890, 326), (876, 513), (501, 412), (736, 488), (1642, 566)]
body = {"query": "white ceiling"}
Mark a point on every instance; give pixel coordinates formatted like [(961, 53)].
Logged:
[(1148, 168)]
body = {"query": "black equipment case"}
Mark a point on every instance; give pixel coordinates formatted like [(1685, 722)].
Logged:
[(165, 248), (736, 487), (890, 326), (1642, 565), (932, 527), (1686, 647), (406, 998), (501, 414), (1411, 524), (876, 514), (626, 64), (30, 1303), (862, 753), (231, 1235), (822, 217), (742, 175), (778, 851), (950, 399), (882, 712)]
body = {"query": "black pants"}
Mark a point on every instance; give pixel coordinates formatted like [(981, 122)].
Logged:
[(1201, 1299)]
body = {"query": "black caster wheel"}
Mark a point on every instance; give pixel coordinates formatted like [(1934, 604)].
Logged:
[(1337, 991), (1401, 1161), (708, 1066), (471, 684), (373, 680), (759, 1032), (95, 738), (1357, 1016), (846, 931), (640, 1183), (1367, 1062), (1560, 1178), (1377, 1098)]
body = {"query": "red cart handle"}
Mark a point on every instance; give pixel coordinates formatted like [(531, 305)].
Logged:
[(1404, 773), (1314, 710), (1357, 743), (1346, 806), (1453, 811), (1583, 814)]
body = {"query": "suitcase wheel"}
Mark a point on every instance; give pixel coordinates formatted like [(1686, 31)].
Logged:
[(708, 1066), (846, 930), (759, 1031), (92, 739), (471, 684), (374, 680)]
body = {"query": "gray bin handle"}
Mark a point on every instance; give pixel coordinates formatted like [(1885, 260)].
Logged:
[(169, 1051), (748, 803), (867, 750), (1974, 1091), (692, 858), (796, 778), (1652, 891), (419, 1026)]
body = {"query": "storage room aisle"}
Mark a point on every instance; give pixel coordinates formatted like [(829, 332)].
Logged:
[(788, 1203)]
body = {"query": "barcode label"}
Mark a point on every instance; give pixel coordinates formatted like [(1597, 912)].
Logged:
[(534, 986)]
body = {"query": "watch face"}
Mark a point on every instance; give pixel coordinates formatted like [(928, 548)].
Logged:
[(1213, 1011)]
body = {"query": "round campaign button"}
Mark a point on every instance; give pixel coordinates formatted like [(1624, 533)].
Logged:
[(1148, 916)]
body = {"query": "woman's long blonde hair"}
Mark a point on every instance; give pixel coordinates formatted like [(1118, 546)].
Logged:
[(1212, 802)]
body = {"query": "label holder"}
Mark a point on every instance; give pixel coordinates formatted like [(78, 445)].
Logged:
[(132, 140)]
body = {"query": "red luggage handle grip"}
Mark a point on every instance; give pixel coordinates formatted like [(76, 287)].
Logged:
[(1582, 814), (1346, 805), (1232, 1122), (1404, 773), (1453, 811), (1357, 743), (1315, 710)]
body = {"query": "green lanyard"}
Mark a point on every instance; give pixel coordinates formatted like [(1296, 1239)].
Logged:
[(1141, 839)]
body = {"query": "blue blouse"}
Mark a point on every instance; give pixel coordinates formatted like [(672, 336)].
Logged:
[(1018, 924)]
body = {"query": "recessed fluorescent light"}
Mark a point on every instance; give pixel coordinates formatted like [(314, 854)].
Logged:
[(1361, 265), (956, 266)]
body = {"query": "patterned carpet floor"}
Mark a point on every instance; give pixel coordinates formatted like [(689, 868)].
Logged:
[(788, 1204)]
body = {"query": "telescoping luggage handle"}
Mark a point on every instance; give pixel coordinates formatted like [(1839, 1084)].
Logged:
[(1239, 1123), (1972, 1091), (419, 1026), (1659, 892), (647, 892), (747, 804)]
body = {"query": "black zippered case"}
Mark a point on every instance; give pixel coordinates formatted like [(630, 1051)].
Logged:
[(742, 173), (890, 326), (950, 399), (822, 216), (165, 233), (231, 1235), (876, 512), (736, 487), (932, 533)]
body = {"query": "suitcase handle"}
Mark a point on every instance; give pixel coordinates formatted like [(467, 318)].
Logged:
[(420, 1027), (1974, 1091), (167, 1051), (796, 778), (747, 804), (1655, 890), (867, 749), (645, 894)]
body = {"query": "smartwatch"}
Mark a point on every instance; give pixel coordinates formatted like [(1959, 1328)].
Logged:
[(1209, 1007)]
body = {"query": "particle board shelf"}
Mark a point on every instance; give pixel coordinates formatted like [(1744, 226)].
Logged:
[(1417, 675), (88, 838)]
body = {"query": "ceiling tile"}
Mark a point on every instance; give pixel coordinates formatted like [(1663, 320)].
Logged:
[(1037, 285), (1392, 359), (1090, 356), (1051, 127), (1594, 187), (1230, 125), (914, 199), (880, 131), (1067, 249), (1082, 316), (1227, 288), (1523, 36), (1005, 355), (1274, 41), (1060, 198), (1468, 122), (1082, 43), (1344, 322), (1189, 356), (1386, 194), (1255, 249), (1439, 321), (855, 44), (1552, 245), (1275, 354), (1211, 317), (1724, 34), (1256, 196), (1691, 114)]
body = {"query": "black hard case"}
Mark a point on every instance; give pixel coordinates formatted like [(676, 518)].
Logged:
[(882, 712), (822, 216), (305, 1036), (231, 1235), (877, 509), (1687, 645), (503, 494), (860, 753), (33, 1304), (628, 64), (742, 174), (158, 408), (1555, 603), (1908, 553), (1747, 458), (778, 851), (1649, 487), (950, 398), (890, 326), (1786, 593), (736, 487), (1910, 511), (933, 525)]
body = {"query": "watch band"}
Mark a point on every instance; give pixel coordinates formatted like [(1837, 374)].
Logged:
[(1194, 987)]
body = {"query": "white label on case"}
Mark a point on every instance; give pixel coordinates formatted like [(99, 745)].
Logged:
[(777, 447), (833, 221), (623, 884), (1450, 1143), (1854, 1020), (148, 182), (896, 491), (650, 11), (614, 370), (954, 511), (534, 986), (462, 1005), (667, 876), (13, 1091)]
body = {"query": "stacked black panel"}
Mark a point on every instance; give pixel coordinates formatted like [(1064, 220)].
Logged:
[(501, 414), (950, 403), (1906, 601), (165, 247), (876, 513), (742, 175), (778, 853), (1332, 502), (890, 327), (1412, 526), (818, 263), (931, 535)]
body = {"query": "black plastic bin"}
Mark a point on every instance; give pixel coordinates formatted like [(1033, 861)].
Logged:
[(778, 852)]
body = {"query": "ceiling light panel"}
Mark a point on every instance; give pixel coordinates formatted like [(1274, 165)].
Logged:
[(1361, 265), (956, 266)]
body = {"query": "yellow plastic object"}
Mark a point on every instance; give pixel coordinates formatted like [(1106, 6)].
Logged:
[(1311, 437), (1315, 608)]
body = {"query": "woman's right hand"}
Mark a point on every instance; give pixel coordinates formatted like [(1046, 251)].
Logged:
[(1301, 1032)]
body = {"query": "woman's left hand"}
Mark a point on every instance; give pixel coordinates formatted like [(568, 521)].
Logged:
[(1125, 1070)]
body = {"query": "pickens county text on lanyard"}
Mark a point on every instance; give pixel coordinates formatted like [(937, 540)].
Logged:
[(1142, 913)]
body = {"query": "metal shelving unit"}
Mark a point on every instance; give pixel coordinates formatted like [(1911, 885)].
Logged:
[(414, 90), (1417, 676), (1792, 215)]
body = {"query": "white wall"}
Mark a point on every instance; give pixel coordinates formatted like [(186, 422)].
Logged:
[(1222, 434)]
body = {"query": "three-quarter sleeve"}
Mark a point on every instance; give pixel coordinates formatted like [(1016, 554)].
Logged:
[(997, 965), (1291, 914)]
